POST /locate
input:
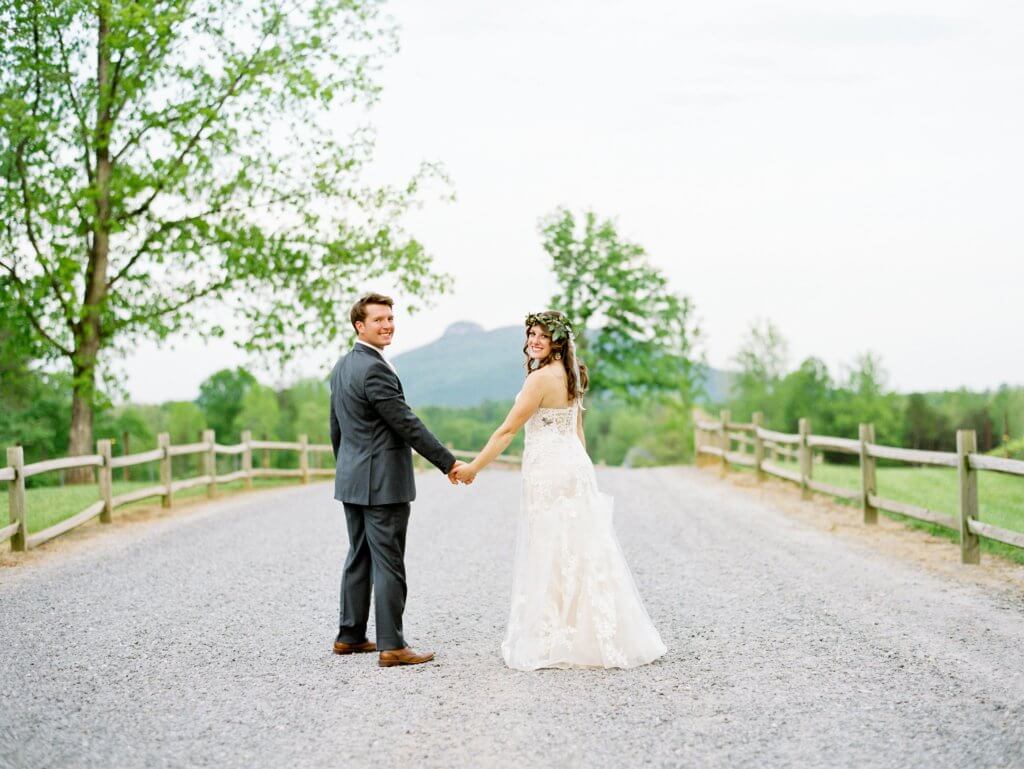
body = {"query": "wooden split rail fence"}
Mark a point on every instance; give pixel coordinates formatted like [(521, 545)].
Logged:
[(716, 438), (15, 474)]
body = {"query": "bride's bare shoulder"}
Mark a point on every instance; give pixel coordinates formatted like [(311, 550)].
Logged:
[(551, 383)]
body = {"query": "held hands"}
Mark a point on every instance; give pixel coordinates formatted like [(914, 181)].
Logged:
[(461, 473)]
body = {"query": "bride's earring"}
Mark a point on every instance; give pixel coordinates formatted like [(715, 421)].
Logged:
[(558, 356)]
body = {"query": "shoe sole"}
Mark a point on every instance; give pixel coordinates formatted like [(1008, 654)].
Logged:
[(353, 651), (396, 663)]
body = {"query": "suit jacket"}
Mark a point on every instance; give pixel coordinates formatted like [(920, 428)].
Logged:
[(372, 430)]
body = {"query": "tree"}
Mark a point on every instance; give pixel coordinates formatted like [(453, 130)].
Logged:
[(806, 392), (185, 422), (158, 157), (925, 427), (762, 364), (220, 398), (260, 412), (635, 334), (864, 398), (305, 407)]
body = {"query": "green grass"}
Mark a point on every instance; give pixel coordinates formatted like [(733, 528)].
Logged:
[(1000, 497), (49, 505)]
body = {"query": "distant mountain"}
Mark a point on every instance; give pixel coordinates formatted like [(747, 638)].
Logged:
[(469, 365), (465, 367)]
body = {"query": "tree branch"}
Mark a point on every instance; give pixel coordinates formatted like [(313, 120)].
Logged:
[(26, 201), (171, 308), (31, 316), (75, 106), (194, 139)]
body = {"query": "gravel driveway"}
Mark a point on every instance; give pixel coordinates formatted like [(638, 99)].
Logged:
[(202, 640)]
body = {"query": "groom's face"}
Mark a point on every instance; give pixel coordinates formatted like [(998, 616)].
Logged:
[(379, 326)]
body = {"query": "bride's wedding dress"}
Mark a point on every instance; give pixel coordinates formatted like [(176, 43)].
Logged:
[(574, 602)]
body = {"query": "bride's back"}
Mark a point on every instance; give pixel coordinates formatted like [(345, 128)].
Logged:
[(555, 387)]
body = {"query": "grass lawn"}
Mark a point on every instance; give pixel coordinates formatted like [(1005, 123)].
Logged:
[(1000, 497), (49, 505)]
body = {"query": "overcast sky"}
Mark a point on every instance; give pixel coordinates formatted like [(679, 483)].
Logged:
[(851, 170)]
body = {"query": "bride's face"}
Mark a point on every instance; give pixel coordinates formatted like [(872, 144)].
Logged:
[(538, 343)]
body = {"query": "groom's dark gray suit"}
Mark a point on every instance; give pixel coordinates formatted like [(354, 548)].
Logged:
[(372, 432)]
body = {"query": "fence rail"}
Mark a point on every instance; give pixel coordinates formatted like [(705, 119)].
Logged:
[(715, 438), (17, 531)]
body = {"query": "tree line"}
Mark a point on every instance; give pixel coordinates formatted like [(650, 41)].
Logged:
[(836, 402)]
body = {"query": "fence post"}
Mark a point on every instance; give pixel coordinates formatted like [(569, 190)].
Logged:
[(304, 457), (210, 462), (126, 438), (105, 450), (805, 457), (758, 419), (970, 546), (868, 484), (724, 443), (163, 441), (247, 457), (16, 509)]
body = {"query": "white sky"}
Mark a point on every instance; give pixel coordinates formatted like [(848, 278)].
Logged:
[(851, 170)]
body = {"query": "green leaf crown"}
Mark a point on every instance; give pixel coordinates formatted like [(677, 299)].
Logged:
[(557, 324)]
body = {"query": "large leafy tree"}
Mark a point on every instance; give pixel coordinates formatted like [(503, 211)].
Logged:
[(637, 335), (159, 157)]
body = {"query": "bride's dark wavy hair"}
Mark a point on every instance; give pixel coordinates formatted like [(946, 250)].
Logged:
[(547, 320)]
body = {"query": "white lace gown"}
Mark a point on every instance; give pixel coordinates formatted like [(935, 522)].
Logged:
[(574, 602)]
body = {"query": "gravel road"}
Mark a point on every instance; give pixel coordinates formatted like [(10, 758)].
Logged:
[(202, 640)]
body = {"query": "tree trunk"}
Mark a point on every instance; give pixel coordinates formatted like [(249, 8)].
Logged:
[(88, 331), (82, 389)]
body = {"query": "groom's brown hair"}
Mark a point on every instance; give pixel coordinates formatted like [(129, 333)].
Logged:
[(358, 311)]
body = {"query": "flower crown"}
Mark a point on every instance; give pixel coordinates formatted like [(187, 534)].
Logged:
[(557, 324)]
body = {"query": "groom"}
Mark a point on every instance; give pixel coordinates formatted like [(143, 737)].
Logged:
[(372, 430)]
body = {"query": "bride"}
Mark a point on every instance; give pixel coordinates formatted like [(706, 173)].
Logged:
[(574, 603)]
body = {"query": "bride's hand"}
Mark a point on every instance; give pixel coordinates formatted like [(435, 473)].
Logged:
[(464, 474)]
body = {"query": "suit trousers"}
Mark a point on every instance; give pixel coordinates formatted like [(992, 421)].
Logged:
[(376, 559)]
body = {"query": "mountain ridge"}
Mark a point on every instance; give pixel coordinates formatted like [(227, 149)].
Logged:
[(468, 365)]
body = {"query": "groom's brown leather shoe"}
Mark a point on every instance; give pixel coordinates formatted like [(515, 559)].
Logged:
[(405, 656), (340, 647)]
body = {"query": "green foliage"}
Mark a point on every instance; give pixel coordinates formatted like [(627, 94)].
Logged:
[(34, 412), (810, 390), (925, 427), (260, 412), (185, 421), (220, 398), (636, 335), (1013, 449), (468, 429), (559, 327), (144, 175), (761, 360), (657, 432), (305, 410)]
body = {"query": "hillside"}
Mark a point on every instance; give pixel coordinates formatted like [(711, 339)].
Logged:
[(468, 365)]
